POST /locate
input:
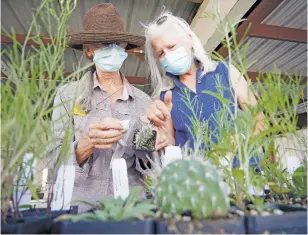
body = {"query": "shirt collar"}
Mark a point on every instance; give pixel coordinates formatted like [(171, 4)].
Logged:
[(127, 88), (177, 81)]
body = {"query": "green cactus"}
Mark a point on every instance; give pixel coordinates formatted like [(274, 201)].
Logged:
[(191, 185)]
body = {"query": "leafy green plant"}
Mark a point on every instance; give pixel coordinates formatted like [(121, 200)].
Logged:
[(27, 94), (235, 135), (191, 185), (116, 209), (299, 179)]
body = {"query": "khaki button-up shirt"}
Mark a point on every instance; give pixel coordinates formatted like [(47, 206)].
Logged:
[(93, 180)]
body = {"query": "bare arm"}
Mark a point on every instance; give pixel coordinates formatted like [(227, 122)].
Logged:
[(245, 96)]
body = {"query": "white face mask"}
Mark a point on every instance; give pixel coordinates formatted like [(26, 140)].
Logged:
[(176, 62), (110, 59)]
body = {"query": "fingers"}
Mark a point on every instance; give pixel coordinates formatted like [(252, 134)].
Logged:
[(99, 134), (162, 145), (106, 124), (158, 113), (163, 109), (105, 143), (104, 139), (168, 100)]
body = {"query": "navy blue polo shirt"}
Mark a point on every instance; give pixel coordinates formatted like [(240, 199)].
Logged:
[(205, 107)]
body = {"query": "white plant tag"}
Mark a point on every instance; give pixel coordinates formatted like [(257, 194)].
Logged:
[(293, 163), (172, 153), (63, 189), (120, 178), (125, 124)]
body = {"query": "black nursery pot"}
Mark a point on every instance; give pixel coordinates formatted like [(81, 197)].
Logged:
[(33, 225), (293, 221), (108, 227), (33, 221), (219, 226)]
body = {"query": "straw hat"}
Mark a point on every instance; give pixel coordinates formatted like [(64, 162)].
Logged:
[(103, 24)]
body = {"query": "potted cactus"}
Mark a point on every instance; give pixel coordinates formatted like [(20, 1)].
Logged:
[(191, 198)]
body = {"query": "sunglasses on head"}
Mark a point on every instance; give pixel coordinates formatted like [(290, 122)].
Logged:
[(161, 20)]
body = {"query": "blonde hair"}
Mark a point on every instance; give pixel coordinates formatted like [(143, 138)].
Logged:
[(154, 30)]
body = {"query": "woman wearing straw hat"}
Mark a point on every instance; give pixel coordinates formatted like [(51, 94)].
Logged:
[(103, 99)]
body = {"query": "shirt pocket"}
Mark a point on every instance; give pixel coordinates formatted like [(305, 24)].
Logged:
[(123, 111)]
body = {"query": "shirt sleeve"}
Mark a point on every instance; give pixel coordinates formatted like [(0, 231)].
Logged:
[(62, 144)]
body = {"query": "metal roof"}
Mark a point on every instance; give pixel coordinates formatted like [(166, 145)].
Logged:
[(288, 57), (290, 13), (268, 54), (18, 14)]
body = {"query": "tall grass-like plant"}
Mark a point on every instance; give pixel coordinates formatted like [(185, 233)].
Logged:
[(28, 92)]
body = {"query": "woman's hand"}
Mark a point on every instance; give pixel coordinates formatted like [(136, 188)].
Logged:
[(164, 138), (158, 112), (101, 135)]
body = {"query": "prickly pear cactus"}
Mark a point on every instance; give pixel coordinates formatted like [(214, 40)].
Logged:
[(191, 185)]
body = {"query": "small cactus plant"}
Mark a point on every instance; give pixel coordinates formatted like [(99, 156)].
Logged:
[(190, 185)]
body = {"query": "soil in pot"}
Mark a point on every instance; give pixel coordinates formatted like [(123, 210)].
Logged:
[(277, 219), (185, 224)]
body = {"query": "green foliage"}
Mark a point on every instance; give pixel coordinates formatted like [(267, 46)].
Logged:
[(27, 95), (236, 135), (299, 179), (116, 209), (191, 185), (276, 176)]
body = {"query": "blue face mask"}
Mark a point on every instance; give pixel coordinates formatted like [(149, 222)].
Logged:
[(109, 59), (176, 62)]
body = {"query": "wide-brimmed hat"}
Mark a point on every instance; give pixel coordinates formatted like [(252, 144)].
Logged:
[(103, 24)]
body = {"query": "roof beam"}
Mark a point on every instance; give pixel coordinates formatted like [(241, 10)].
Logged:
[(254, 76), (21, 38), (195, 1), (131, 79), (279, 33), (207, 28), (263, 9)]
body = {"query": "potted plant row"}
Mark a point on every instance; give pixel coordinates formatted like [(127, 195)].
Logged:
[(27, 95)]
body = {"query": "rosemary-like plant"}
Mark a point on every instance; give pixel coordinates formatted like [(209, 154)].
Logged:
[(27, 94)]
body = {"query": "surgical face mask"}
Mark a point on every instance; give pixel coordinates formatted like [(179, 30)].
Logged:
[(109, 59), (177, 62)]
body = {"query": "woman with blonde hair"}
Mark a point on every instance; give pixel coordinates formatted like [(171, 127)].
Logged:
[(173, 46)]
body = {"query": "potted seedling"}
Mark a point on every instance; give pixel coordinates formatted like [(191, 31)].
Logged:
[(236, 137), (27, 95), (111, 216)]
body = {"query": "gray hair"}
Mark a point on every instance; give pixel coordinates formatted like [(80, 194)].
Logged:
[(153, 30), (85, 85)]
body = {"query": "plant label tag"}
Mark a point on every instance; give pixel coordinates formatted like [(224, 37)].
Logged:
[(125, 124), (293, 163), (120, 178), (63, 189), (172, 153)]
